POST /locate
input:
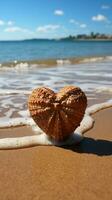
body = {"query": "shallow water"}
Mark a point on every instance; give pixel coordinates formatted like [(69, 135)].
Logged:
[(16, 83)]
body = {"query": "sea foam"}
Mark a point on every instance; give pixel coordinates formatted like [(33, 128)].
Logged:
[(42, 139)]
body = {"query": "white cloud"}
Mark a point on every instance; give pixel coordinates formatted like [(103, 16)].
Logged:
[(10, 23), (83, 25), (2, 22), (99, 18), (16, 29), (59, 12), (105, 6), (73, 21), (47, 28)]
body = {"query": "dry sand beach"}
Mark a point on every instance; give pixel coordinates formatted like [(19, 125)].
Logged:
[(78, 172)]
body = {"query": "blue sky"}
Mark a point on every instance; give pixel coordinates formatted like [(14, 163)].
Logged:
[(20, 19)]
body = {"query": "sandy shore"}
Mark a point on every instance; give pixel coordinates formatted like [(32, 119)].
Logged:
[(52, 173)]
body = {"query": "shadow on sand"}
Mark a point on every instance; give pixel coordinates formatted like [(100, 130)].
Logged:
[(92, 146)]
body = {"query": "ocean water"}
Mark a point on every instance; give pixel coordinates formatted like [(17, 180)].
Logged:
[(52, 49), (93, 74)]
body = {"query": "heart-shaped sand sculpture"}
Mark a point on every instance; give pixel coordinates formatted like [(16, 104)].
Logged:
[(57, 114)]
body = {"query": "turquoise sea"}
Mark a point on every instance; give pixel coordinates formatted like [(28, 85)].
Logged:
[(52, 49)]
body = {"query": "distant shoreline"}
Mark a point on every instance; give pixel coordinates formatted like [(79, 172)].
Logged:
[(93, 40), (67, 39), (58, 39)]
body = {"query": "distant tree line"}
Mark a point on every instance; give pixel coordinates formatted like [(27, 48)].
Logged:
[(92, 35)]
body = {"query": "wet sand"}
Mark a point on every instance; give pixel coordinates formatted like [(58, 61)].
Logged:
[(80, 172)]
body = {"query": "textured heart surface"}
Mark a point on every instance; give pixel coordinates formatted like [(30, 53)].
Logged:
[(57, 114)]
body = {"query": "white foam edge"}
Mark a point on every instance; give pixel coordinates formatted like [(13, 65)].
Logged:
[(42, 139), (103, 89), (9, 91), (62, 62), (95, 59)]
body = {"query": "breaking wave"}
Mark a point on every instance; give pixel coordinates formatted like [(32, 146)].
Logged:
[(26, 65)]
